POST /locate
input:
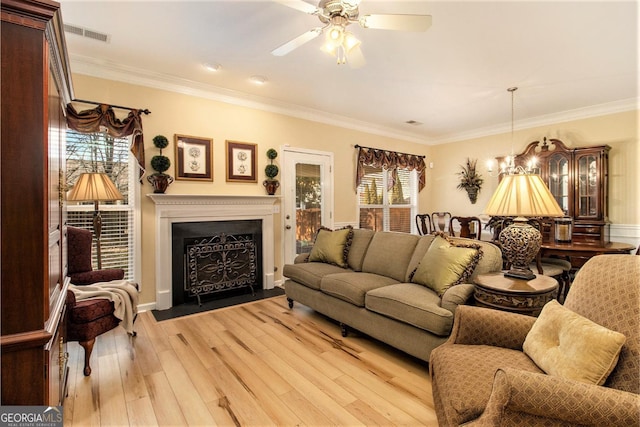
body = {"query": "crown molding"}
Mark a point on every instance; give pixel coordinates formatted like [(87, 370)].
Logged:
[(117, 72), (621, 106)]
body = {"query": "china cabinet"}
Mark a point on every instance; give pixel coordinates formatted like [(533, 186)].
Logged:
[(36, 86), (578, 179)]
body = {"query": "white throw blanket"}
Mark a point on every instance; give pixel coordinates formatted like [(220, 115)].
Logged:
[(123, 293)]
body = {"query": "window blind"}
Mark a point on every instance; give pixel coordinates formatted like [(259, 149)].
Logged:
[(99, 152), (386, 207)]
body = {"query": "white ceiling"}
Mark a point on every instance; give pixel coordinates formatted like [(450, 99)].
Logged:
[(569, 59)]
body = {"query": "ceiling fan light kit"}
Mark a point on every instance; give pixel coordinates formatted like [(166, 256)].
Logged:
[(337, 15), (338, 41)]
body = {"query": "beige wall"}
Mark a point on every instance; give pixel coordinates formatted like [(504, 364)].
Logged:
[(174, 113), (620, 131)]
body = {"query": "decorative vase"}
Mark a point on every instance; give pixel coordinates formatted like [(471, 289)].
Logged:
[(271, 185), (472, 192), (160, 182)]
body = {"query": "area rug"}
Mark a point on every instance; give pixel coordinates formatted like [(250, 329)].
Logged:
[(213, 304)]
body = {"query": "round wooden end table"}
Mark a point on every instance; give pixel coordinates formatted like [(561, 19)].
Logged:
[(494, 290)]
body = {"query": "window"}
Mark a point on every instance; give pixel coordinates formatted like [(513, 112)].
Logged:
[(99, 152), (383, 208)]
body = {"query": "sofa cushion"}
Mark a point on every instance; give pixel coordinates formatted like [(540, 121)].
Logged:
[(332, 246), (418, 253), (310, 274), (446, 264), (491, 260), (413, 304), (389, 254), (352, 287), (564, 344), (359, 244)]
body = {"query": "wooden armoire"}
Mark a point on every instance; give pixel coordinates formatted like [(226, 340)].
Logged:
[(36, 86)]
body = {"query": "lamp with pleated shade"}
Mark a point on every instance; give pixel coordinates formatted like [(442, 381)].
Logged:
[(522, 195), (96, 188)]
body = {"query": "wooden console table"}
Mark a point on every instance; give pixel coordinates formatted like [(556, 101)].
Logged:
[(578, 253), (494, 290)]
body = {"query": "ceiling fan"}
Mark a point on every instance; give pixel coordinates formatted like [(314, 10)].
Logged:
[(337, 15)]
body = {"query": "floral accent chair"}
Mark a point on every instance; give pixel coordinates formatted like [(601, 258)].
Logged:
[(482, 376)]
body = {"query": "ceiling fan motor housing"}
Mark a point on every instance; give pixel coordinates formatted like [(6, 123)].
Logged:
[(333, 8)]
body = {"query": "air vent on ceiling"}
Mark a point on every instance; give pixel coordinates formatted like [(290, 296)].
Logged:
[(413, 123), (85, 32)]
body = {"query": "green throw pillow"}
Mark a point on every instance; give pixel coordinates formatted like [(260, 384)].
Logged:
[(446, 264), (564, 344), (332, 247)]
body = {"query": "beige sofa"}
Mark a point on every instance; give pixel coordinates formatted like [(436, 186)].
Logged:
[(375, 295)]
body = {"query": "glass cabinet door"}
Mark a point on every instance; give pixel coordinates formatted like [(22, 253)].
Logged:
[(587, 186), (558, 180)]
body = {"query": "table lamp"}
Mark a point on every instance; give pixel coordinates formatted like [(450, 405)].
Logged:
[(522, 195), (95, 187)]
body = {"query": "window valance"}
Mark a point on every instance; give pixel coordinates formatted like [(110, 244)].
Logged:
[(104, 118), (392, 161)]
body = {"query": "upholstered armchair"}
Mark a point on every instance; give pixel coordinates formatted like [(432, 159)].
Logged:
[(79, 244), (86, 319), (482, 376)]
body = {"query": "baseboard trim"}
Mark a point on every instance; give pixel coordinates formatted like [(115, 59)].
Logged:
[(146, 307)]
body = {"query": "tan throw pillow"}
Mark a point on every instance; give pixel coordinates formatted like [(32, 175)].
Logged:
[(564, 344), (446, 264), (332, 247)]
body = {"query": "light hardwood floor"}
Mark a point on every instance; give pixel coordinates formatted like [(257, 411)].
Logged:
[(258, 364)]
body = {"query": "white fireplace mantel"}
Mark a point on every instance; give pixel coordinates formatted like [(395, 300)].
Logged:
[(176, 208)]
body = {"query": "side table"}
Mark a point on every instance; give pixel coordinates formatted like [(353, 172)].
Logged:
[(494, 290)]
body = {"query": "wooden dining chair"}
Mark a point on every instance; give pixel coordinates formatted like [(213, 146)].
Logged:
[(466, 225), (440, 221), (423, 224)]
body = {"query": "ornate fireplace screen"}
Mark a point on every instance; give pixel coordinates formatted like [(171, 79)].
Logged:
[(219, 263)]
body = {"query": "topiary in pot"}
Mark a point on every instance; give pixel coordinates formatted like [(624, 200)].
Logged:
[(160, 180), (271, 171)]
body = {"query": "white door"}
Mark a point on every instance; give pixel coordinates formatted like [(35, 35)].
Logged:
[(307, 198)]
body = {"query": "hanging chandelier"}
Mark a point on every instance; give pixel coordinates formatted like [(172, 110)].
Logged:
[(508, 166)]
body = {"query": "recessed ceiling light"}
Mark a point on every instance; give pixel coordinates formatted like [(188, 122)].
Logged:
[(259, 80), (213, 67), (413, 122)]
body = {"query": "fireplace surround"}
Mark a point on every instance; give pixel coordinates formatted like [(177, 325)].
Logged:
[(179, 208)]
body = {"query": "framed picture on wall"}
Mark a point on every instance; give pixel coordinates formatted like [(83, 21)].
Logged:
[(241, 162), (194, 158)]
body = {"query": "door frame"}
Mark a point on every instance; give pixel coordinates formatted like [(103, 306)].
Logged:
[(289, 157)]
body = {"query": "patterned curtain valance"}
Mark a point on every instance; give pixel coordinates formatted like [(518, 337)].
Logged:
[(392, 161), (103, 117)]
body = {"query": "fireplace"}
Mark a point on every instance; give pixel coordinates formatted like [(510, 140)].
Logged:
[(212, 259), (173, 209)]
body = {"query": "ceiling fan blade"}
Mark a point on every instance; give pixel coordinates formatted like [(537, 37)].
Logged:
[(300, 5), (397, 22), (297, 42), (355, 58)]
